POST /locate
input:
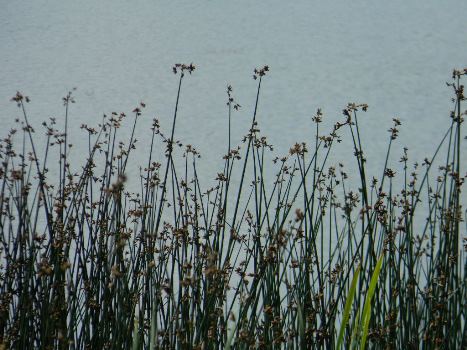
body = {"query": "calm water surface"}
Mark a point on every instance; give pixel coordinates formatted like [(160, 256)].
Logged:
[(395, 56)]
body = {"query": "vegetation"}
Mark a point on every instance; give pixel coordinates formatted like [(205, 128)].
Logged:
[(299, 261)]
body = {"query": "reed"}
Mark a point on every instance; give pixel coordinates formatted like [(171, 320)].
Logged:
[(295, 259)]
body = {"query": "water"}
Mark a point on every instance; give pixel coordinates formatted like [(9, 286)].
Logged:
[(395, 56)]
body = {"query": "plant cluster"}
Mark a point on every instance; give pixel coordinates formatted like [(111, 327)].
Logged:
[(296, 259)]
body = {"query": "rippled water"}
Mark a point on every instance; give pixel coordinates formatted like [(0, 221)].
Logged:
[(395, 56)]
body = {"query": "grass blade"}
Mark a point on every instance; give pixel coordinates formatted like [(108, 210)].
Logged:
[(367, 308), (348, 306)]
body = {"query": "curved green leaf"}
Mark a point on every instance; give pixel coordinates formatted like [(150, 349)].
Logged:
[(348, 306), (369, 297)]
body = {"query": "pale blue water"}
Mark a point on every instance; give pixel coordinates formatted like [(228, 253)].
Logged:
[(393, 55)]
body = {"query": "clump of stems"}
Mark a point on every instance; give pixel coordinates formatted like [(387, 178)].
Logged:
[(260, 260)]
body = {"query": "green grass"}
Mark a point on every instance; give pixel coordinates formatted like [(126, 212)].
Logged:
[(294, 259), (347, 308)]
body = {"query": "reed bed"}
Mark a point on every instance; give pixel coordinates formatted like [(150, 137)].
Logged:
[(292, 260)]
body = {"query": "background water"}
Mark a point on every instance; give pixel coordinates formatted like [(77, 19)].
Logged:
[(393, 55)]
